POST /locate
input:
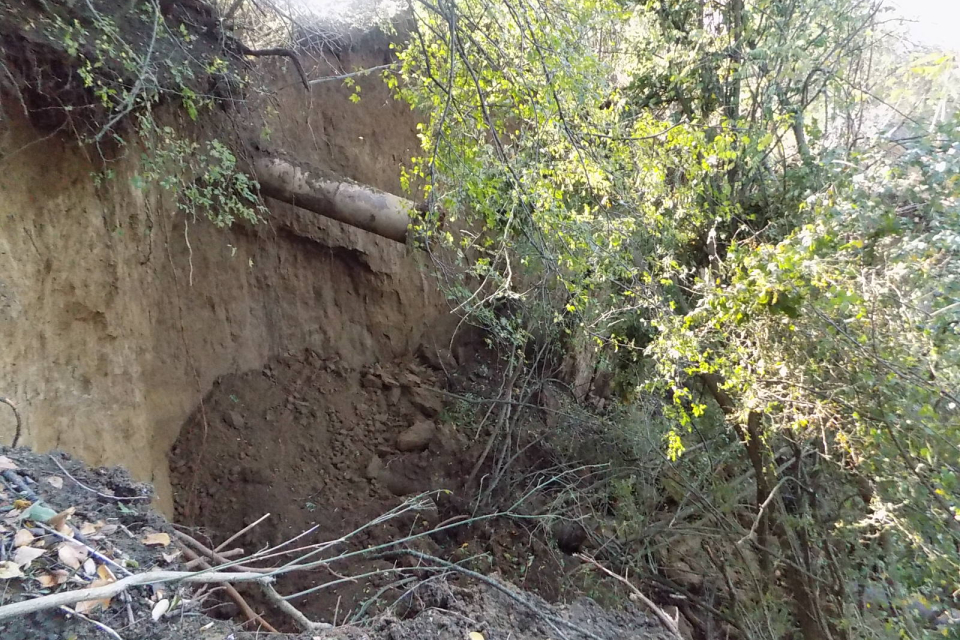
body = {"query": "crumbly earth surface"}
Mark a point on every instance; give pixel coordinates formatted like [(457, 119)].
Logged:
[(107, 514), (325, 448)]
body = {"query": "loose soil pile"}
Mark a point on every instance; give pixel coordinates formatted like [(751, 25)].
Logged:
[(327, 449)]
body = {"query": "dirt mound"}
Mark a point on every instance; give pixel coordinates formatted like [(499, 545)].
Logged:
[(314, 443), (326, 449)]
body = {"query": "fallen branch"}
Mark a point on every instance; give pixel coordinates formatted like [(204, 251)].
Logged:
[(251, 615), (67, 598), (241, 532), (302, 621), (213, 555), (661, 615), (16, 414), (287, 53), (102, 495), (499, 586)]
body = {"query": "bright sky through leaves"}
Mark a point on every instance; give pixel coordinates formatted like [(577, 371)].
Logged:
[(937, 22)]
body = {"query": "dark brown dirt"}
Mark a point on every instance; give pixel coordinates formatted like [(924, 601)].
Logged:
[(299, 439), (318, 445)]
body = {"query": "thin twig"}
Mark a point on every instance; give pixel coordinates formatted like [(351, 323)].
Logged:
[(96, 554), (232, 553), (760, 511), (213, 555), (131, 100), (304, 623), (67, 598), (510, 593), (97, 624), (102, 495), (241, 532), (132, 619), (361, 72), (661, 615), (251, 615), (16, 414)]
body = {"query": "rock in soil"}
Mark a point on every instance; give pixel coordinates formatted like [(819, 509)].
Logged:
[(427, 401), (417, 437), (234, 419)]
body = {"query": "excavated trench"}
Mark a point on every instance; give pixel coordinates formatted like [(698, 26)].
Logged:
[(326, 448)]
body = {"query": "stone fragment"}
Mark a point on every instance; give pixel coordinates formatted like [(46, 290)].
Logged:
[(417, 437)]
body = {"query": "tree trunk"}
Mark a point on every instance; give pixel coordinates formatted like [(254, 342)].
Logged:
[(351, 203)]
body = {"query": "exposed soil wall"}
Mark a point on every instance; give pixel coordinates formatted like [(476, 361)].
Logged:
[(116, 318)]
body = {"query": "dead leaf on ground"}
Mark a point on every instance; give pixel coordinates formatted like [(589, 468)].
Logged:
[(106, 577), (25, 555), (53, 579), (476, 635), (59, 521), (156, 540), (159, 609), (89, 528), (89, 567), (170, 558), (88, 606), (104, 572), (54, 481), (72, 554), (9, 570), (6, 464), (23, 538)]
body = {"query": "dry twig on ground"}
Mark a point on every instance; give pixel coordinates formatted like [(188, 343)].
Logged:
[(251, 615), (67, 598), (661, 615), (213, 555), (304, 623), (554, 620)]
